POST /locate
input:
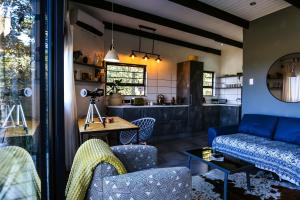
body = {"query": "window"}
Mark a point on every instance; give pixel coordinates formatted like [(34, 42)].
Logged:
[(208, 83), (132, 78), (24, 95)]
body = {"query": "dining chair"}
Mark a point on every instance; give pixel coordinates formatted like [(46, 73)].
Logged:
[(146, 126)]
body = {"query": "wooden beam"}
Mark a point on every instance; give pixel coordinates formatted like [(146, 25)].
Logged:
[(295, 3), (105, 5), (212, 11), (161, 38)]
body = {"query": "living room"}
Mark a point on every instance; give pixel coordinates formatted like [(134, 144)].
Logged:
[(155, 100)]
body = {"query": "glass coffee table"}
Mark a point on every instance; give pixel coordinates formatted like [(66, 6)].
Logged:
[(223, 162)]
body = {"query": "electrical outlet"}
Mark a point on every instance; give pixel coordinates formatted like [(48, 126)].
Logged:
[(251, 81)]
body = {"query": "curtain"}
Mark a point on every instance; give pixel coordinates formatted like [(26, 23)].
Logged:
[(291, 85), (292, 89), (70, 108)]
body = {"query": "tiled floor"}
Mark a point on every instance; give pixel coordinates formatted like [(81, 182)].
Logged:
[(171, 152)]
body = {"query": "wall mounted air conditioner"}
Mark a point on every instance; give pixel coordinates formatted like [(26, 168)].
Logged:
[(87, 22)]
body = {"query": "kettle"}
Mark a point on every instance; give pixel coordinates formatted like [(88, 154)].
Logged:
[(160, 99)]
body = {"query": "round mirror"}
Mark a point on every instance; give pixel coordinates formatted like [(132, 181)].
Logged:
[(283, 79)]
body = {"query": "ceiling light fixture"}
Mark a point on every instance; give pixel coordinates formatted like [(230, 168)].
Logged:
[(147, 54), (146, 57), (112, 54), (158, 59), (132, 55)]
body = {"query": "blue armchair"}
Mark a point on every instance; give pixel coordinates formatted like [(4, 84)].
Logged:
[(143, 181)]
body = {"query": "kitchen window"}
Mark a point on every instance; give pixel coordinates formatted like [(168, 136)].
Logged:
[(208, 83), (130, 78)]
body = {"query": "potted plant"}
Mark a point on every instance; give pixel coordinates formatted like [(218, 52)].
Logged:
[(115, 98)]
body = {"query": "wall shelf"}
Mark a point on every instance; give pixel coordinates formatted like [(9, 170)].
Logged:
[(89, 81), (89, 65), (230, 76), (229, 87)]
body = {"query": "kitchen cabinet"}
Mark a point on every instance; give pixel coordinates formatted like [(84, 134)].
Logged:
[(220, 115), (171, 121), (211, 116), (229, 115), (190, 91)]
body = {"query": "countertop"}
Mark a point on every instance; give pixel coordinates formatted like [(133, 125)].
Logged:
[(147, 106), (170, 106), (212, 104)]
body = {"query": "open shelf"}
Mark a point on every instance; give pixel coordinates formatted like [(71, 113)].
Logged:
[(89, 81), (229, 87), (89, 65), (230, 76)]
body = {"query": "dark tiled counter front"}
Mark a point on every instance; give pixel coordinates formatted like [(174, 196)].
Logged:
[(171, 121), (218, 115), (180, 120)]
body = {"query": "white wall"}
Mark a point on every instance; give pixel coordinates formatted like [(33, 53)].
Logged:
[(89, 44), (162, 77), (231, 60)]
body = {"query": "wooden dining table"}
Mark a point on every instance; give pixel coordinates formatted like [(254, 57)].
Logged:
[(98, 129)]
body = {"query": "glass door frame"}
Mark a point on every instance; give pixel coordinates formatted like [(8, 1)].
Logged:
[(52, 143)]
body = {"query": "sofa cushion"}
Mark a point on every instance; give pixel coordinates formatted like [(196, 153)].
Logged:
[(258, 125), (276, 156), (288, 130)]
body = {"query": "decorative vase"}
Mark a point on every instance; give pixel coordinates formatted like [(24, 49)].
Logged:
[(115, 99)]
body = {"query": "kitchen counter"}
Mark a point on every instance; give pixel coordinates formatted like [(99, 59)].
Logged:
[(213, 104), (148, 106), (171, 120)]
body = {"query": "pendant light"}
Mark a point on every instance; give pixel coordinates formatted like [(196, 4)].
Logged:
[(112, 54), (147, 55)]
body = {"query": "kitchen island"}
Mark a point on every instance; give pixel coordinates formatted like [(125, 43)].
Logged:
[(171, 120), (175, 121)]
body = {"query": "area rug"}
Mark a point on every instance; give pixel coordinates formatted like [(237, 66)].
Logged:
[(264, 185)]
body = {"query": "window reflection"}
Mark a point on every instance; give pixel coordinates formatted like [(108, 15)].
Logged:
[(19, 99)]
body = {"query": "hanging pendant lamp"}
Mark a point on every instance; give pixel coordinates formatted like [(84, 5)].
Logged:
[(112, 54)]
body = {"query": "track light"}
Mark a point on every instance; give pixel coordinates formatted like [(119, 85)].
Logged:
[(146, 57), (158, 59), (132, 55)]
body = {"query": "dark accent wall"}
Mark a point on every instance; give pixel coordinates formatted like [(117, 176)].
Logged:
[(267, 39)]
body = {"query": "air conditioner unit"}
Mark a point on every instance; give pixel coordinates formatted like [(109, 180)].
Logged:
[(87, 22)]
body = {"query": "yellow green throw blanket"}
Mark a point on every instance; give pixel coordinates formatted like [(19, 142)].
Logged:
[(88, 156), (18, 176)]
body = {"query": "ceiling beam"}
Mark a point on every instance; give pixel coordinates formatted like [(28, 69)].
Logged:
[(295, 3), (213, 11), (106, 5), (161, 38)]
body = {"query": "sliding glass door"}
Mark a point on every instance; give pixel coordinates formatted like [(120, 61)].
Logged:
[(28, 109)]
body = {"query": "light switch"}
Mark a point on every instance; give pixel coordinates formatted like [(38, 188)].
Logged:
[(251, 81)]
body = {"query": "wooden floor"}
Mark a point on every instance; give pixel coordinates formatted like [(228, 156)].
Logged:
[(171, 152)]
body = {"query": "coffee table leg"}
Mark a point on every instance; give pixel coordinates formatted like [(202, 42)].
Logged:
[(248, 181), (225, 185)]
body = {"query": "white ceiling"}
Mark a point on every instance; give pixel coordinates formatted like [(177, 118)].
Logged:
[(191, 17), (243, 9)]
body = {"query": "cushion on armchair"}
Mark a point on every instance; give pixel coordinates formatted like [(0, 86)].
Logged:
[(288, 130), (258, 125)]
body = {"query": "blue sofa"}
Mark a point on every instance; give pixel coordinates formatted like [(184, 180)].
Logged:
[(270, 142)]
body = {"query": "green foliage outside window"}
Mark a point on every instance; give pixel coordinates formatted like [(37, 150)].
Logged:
[(208, 83), (132, 78)]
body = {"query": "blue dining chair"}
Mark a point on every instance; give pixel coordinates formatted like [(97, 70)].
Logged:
[(145, 132)]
